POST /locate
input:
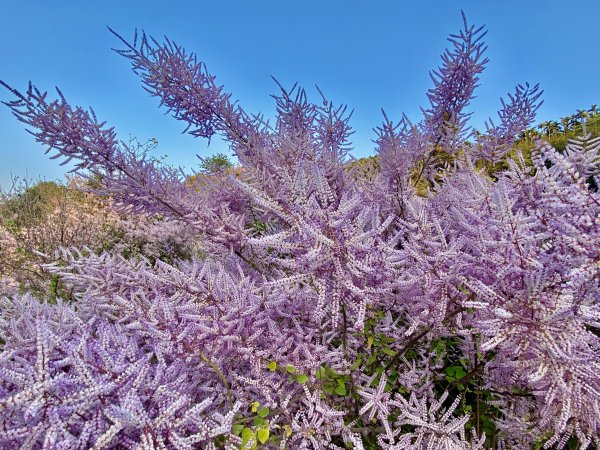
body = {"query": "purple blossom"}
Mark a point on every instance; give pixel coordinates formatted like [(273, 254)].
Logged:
[(325, 308)]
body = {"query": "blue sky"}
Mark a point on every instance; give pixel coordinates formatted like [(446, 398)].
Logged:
[(368, 55)]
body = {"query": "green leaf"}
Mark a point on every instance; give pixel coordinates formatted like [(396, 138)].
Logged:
[(290, 369), (456, 372), (340, 388), (302, 378), (440, 347), (272, 366), (255, 406), (263, 412), (356, 364), (463, 289), (259, 422), (263, 435), (388, 340), (247, 436), (320, 373), (288, 430), (389, 352), (237, 429)]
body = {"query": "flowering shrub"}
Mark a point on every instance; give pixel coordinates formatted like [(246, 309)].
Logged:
[(424, 305), (37, 220)]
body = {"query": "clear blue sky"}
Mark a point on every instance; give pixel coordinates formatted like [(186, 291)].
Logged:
[(366, 54)]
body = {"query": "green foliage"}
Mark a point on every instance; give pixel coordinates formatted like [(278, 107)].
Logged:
[(302, 379), (37, 219), (29, 205), (366, 168), (559, 140), (556, 133), (216, 163), (257, 434)]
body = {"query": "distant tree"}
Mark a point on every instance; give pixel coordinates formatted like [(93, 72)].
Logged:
[(216, 163), (565, 124)]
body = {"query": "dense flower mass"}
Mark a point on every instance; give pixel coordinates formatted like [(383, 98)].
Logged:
[(446, 297)]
